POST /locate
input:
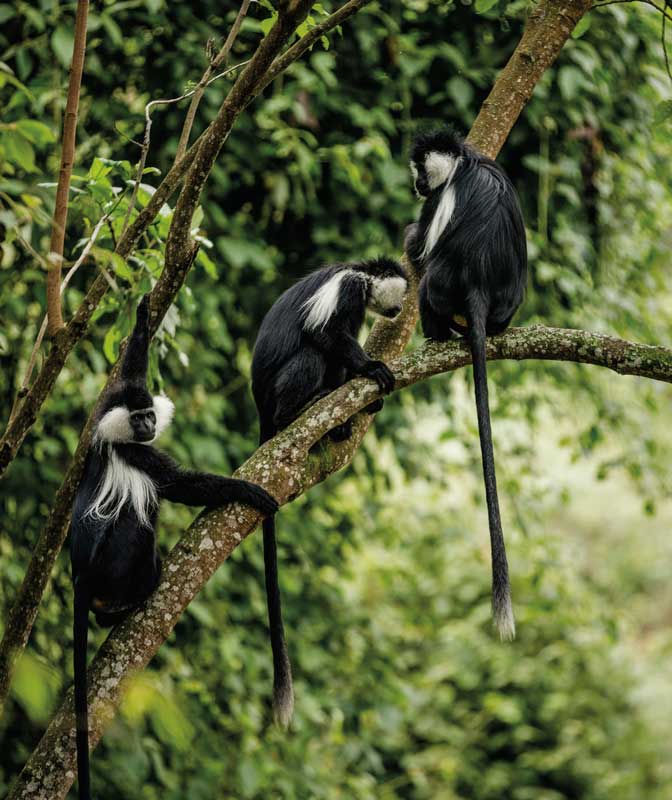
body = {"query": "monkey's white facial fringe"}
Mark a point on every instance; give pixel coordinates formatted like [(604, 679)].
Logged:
[(122, 483), (444, 213), (115, 426), (164, 410), (387, 294), (440, 167), (504, 620), (322, 305)]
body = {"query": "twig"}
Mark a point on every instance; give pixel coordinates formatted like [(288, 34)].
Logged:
[(54, 312), (146, 138), (663, 41), (664, 11), (23, 391), (215, 64)]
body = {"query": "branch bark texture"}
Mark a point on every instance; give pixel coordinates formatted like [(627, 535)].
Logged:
[(289, 464), (54, 315), (547, 30)]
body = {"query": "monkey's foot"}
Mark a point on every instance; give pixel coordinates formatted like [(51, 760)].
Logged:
[(375, 407), (341, 432)]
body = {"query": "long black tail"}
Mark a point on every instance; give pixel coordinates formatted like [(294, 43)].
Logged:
[(81, 632), (283, 690), (501, 590)]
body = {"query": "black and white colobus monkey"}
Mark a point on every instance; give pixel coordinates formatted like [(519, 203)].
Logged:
[(470, 243), (115, 563), (307, 347)]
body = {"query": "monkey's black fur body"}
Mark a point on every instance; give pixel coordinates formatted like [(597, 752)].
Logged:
[(307, 347), (115, 563), (470, 244)]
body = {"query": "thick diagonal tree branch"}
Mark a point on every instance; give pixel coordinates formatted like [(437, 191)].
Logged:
[(288, 466), (284, 465), (24, 610), (68, 337)]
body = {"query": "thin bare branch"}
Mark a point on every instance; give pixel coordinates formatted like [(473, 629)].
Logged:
[(23, 391), (664, 11), (146, 137), (67, 159), (214, 65)]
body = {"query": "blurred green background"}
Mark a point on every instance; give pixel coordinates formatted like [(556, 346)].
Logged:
[(402, 689)]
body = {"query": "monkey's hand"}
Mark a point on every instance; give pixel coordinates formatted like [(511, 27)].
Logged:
[(380, 373), (255, 496)]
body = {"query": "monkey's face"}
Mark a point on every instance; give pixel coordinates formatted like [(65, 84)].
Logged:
[(131, 414), (434, 172), (434, 159), (387, 294)]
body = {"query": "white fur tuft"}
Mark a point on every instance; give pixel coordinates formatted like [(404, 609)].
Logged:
[(440, 167), (504, 621), (444, 213), (164, 410), (122, 483), (115, 426), (322, 305), (283, 707), (387, 293)]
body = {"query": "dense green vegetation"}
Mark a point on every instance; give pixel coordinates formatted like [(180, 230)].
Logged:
[(402, 689)]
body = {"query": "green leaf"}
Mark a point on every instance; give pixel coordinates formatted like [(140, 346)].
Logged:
[(6, 12), (461, 91), (36, 131), (111, 344), (662, 113), (268, 23), (62, 43), (482, 6), (581, 27), (35, 687), (570, 81), (18, 150)]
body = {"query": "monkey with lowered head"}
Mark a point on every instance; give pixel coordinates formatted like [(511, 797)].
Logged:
[(115, 563), (470, 244), (307, 347)]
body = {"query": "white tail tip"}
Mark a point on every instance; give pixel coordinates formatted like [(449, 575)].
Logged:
[(504, 620), (283, 706)]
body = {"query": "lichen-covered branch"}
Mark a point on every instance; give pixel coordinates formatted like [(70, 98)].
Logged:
[(288, 466)]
